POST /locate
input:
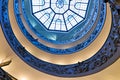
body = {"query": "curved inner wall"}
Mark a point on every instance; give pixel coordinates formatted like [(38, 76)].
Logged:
[(88, 21), (106, 47), (62, 59), (54, 36)]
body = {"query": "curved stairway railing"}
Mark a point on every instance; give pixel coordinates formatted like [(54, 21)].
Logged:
[(94, 64)]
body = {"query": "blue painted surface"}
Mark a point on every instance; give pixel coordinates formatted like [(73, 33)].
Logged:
[(58, 37), (78, 34), (81, 68)]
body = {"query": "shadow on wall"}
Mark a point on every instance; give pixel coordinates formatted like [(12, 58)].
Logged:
[(4, 75)]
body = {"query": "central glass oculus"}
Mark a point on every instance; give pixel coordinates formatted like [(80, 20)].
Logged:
[(59, 6), (60, 3), (59, 15)]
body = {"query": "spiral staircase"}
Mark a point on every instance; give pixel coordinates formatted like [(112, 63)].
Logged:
[(88, 53)]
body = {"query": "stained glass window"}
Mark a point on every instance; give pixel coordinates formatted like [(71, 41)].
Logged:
[(60, 15)]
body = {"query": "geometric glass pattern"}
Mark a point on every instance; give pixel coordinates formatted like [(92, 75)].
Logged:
[(60, 15), (82, 68)]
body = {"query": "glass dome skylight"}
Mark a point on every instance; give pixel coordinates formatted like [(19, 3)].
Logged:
[(61, 27), (60, 15)]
